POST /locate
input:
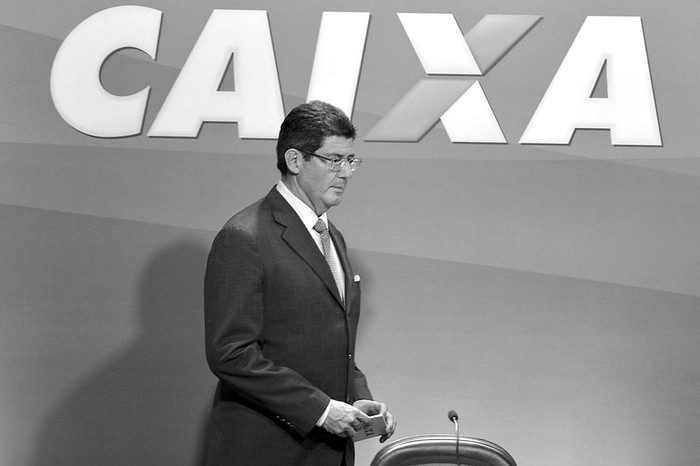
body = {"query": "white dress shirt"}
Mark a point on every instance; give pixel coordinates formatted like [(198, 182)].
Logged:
[(309, 218)]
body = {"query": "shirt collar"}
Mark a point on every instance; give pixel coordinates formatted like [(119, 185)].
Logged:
[(305, 213)]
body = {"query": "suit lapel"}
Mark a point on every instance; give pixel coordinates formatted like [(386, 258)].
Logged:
[(298, 238)]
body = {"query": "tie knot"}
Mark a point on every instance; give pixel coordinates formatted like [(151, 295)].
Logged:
[(320, 226)]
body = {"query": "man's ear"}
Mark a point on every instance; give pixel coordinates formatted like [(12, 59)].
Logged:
[(293, 159)]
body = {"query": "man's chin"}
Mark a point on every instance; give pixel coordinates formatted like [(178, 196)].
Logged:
[(334, 201)]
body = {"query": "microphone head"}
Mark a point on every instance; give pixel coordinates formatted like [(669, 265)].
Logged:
[(452, 415)]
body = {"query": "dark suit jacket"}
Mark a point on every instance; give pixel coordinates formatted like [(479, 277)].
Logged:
[(279, 339)]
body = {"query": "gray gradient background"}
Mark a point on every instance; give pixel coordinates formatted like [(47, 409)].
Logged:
[(549, 294)]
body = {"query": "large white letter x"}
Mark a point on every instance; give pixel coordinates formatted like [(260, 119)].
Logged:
[(461, 105)]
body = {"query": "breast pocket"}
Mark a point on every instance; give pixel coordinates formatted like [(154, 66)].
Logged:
[(355, 295)]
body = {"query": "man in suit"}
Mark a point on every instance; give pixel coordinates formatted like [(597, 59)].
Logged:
[(282, 305)]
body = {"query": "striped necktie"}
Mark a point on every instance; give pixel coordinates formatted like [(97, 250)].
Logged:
[(322, 229)]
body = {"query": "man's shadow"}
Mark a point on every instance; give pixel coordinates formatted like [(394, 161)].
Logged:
[(147, 406)]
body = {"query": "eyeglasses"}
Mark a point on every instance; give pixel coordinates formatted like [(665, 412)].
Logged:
[(337, 163)]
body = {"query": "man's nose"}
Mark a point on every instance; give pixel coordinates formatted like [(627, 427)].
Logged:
[(346, 171)]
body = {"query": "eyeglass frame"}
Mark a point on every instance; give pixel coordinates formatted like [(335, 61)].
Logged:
[(353, 162)]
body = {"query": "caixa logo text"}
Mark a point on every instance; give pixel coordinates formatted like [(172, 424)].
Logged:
[(453, 63)]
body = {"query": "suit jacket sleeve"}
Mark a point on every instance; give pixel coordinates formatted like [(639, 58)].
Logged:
[(234, 332)]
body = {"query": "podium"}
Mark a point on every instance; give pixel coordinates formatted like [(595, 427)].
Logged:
[(442, 449)]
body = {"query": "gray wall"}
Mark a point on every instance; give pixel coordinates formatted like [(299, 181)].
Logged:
[(549, 294)]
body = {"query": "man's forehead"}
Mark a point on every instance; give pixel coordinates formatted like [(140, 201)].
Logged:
[(338, 144)]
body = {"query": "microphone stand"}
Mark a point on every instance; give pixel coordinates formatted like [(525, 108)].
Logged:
[(455, 419)]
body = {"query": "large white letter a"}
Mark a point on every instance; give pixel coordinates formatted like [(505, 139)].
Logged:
[(255, 104), (629, 110)]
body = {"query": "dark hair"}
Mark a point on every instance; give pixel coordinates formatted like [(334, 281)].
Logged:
[(308, 125)]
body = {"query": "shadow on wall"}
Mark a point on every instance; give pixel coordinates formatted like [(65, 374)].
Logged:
[(148, 405)]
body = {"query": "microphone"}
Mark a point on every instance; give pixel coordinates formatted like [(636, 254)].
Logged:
[(452, 416)]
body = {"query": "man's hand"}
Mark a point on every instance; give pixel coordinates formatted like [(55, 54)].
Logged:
[(344, 420), (370, 407)]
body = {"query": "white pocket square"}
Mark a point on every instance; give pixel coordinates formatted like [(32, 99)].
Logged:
[(356, 278)]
